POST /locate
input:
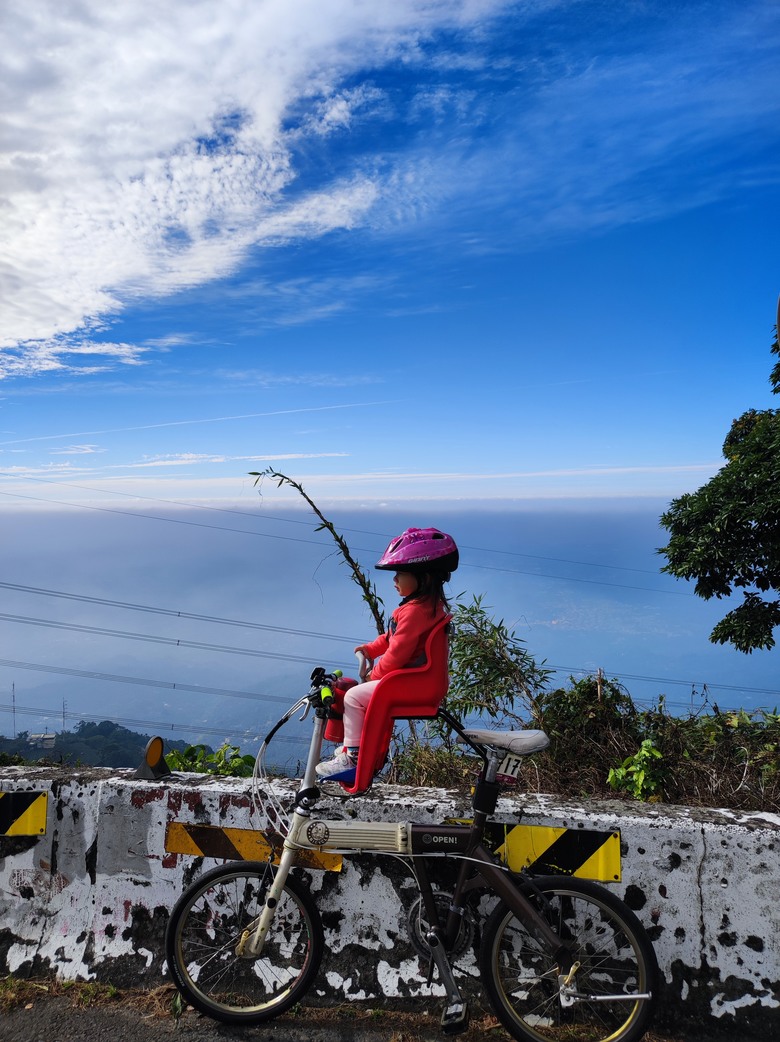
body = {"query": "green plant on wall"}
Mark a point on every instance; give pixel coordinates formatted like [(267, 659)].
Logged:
[(226, 761), (640, 775)]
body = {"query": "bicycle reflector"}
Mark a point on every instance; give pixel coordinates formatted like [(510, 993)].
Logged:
[(153, 765)]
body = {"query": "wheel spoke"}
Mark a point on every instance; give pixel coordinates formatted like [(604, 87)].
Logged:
[(612, 956), (202, 945)]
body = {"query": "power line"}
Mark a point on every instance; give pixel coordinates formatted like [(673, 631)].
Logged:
[(247, 733), (228, 649), (89, 674), (309, 634), (149, 638), (169, 520), (667, 680), (576, 579), (257, 697), (172, 612)]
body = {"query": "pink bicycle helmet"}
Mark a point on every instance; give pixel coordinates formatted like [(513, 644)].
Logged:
[(420, 550)]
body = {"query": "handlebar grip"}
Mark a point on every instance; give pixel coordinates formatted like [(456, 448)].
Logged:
[(326, 696)]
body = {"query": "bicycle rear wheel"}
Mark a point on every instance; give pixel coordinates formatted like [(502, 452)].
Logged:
[(202, 935), (615, 958)]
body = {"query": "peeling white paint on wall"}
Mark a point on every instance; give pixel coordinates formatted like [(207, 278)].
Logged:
[(405, 978), (90, 898)]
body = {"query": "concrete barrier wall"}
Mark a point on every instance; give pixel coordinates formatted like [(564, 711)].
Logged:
[(89, 897)]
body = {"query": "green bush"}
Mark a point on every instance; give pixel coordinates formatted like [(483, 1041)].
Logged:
[(226, 761)]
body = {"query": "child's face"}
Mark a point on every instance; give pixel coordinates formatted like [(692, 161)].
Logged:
[(405, 583)]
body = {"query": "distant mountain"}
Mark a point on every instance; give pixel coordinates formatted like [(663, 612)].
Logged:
[(104, 744)]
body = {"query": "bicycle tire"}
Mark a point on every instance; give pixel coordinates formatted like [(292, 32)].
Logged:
[(615, 956), (205, 925)]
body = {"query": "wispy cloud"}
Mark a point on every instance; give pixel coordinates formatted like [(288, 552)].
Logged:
[(46, 469), (145, 146), (78, 450), (263, 378), (149, 148), (68, 356), (301, 300), (198, 458), (189, 422), (404, 477)]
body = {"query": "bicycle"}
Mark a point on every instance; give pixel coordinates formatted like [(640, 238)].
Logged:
[(560, 958)]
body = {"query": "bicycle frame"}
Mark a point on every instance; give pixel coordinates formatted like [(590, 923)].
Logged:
[(479, 867)]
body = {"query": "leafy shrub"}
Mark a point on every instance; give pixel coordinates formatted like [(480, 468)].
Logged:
[(639, 775), (227, 761)]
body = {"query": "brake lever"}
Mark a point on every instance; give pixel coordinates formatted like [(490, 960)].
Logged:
[(306, 709)]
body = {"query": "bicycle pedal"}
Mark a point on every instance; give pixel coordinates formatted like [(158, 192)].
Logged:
[(455, 1018)]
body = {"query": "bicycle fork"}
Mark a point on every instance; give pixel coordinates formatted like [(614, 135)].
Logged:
[(251, 942)]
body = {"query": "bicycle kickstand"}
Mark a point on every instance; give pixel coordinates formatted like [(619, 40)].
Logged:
[(455, 1017)]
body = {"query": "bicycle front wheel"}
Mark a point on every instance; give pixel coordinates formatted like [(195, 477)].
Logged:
[(205, 927), (614, 960)]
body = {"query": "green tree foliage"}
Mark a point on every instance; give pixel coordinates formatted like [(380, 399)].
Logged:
[(726, 536)]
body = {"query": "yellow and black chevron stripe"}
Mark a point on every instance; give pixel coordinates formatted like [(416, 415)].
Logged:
[(23, 813), (587, 853), (228, 844)]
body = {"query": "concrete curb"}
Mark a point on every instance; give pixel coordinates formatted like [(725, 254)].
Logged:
[(89, 898)]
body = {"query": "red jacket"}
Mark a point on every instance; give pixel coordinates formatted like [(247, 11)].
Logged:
[(404, 643)]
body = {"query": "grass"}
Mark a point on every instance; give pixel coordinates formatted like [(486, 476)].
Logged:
[(20, 992)]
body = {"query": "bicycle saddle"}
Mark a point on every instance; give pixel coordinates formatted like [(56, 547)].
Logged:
[(521, 743)]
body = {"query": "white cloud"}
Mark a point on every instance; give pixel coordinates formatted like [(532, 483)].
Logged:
[(78, 450), (263, 378), (143, 146), (598, 140), (197, 458), (47, 469), (63, 355), (148, 147)]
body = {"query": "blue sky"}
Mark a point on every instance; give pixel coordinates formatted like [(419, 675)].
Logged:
[(427, 257)]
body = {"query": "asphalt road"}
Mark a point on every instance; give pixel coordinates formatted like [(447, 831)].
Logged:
[(58, 1020), (134, 1019)]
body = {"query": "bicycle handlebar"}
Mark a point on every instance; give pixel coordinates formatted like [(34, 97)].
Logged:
[(321, 690)]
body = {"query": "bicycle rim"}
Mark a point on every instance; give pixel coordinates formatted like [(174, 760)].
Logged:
[(615, 958), (201, 945)]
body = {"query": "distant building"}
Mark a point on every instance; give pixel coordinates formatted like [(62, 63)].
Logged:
[(41, 741)]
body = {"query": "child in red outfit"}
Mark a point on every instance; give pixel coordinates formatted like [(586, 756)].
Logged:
[(423, 560)]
